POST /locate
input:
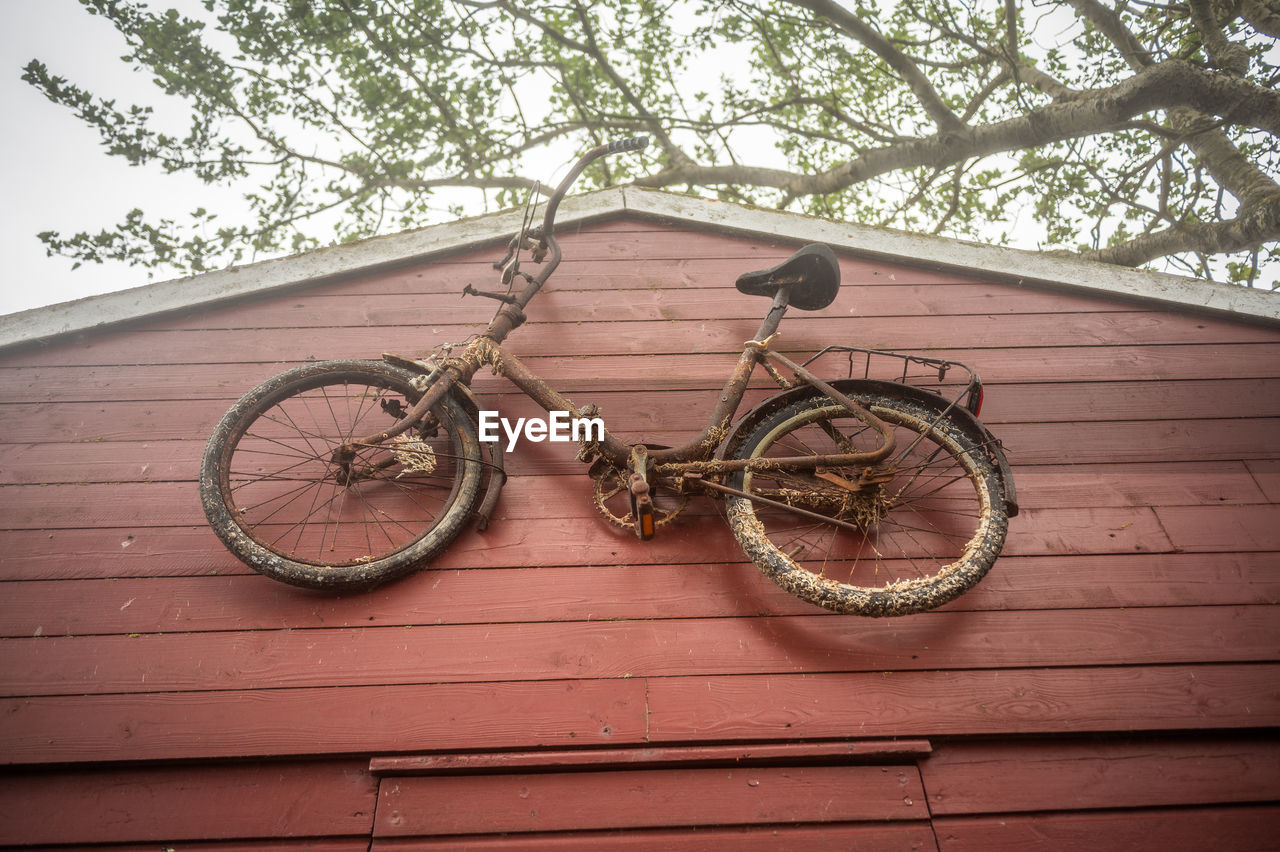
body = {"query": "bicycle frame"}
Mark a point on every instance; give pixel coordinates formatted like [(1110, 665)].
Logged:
[(278, 496), (691, 463), (487, 349)]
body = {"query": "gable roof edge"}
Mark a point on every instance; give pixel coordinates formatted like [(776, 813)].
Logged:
[(322, 264), (263, 276), (1012, 264)]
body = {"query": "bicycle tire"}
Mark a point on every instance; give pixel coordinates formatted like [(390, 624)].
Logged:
[(285, 506), (927, 524)]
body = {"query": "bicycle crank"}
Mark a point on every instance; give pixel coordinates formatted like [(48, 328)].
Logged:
[(613, 495)]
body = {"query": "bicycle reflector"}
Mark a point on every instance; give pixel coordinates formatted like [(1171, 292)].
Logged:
[(645, 520), (975, 397), (642, 507)]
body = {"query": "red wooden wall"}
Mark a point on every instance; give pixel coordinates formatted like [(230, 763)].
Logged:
[(1113, 683)]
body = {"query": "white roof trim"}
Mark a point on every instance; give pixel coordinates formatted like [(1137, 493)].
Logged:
[(1013, 264)]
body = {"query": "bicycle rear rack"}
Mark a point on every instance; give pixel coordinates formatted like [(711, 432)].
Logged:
[(952, 380)]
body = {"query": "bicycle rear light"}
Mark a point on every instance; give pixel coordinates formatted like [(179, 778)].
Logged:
[(976, 395)]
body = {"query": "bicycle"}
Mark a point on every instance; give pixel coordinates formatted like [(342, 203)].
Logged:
[(861, 495)]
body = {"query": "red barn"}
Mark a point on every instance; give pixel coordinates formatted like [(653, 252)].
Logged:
[(553, 682)]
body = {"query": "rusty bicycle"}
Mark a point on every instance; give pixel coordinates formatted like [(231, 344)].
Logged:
[(857, 493)]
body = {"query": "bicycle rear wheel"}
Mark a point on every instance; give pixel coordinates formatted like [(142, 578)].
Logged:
[(290, 507), (906, 535)]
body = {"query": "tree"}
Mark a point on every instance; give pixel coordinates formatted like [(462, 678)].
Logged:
[(1140, 133)]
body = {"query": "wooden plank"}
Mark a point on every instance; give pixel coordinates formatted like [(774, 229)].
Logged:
[(535, 543), (357, 720), (164, 804), (535, 484), (166, 550), (1078, 484), (890, 837), (1266, 472), (61, 665), (840, 751), (667, 294), (1223, 829), (541, 542), (1035, 532), (644, 337), (1188, 579), (652, 798), (654, 373), (596, 592), (988, 778), (364, 720), (1136, 441), (1027, 445), (115, 552), (1222, 527), (1176, 483), (307, 844), (673, 410), (935, 704), (1148, 482)]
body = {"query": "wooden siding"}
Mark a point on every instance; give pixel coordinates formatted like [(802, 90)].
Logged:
[(1114, 682)]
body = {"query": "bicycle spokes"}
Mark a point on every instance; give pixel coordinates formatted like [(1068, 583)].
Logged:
[(904, 519), (302, 488)]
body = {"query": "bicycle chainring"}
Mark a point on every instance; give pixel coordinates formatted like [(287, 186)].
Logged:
[(613, 499)]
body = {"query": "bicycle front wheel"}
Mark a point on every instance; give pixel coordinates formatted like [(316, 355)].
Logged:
[(906, 535), (292, 497)]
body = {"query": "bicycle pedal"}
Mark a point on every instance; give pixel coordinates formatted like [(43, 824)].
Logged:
[(642, 507)]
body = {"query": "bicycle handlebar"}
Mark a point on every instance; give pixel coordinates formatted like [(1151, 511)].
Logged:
[(545, 234), (635, 143)]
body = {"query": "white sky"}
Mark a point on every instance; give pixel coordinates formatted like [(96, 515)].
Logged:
[(55, 174)]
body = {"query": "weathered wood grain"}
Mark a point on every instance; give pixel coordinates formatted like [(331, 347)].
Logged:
[(647, 798), (165, 804), (296, 722), (891, 837), (1221, 829), (993, 777), (837, 752), (1204, 528), (363, 720), (1003, 702), (246, 601), (656, 373), (174, 662), (1134, 596), (688, 411), (643, 337)]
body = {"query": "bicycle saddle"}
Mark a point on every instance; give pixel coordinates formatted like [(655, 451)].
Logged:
[(812, 276)]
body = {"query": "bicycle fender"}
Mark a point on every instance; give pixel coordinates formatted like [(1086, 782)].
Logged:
[(959, 413), (497, 472)]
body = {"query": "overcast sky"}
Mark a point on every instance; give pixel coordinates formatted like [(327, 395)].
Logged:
[(56, 175)]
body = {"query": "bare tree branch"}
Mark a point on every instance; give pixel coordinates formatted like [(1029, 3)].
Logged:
[(1261, 224), (1163, 86), (1232, 58), (1264, 16), (894, 58)]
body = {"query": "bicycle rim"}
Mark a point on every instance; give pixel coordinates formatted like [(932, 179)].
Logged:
[(295, 498), (907, 534)]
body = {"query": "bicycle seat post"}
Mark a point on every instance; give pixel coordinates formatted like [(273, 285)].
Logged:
[(779, 307)]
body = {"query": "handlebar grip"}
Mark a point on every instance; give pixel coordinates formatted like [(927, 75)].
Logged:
[(635, 143)]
